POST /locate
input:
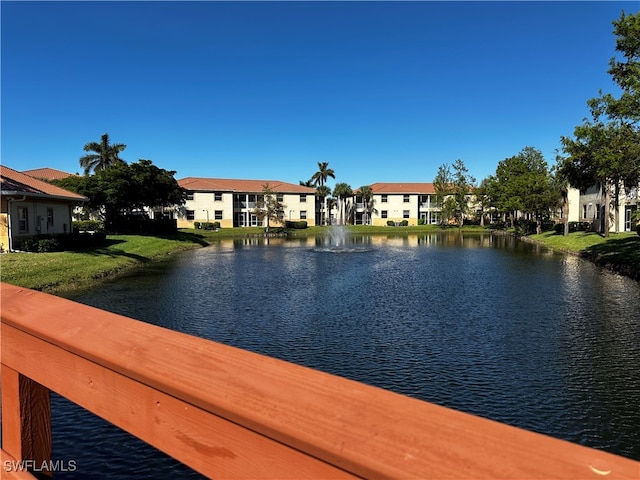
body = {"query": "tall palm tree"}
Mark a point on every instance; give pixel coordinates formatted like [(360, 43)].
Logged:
[(322, 175), (320, 178), (104, 156), (323, 192), (342, 191), (366, 194)]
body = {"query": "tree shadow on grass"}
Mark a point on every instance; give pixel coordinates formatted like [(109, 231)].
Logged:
[(619, 254)]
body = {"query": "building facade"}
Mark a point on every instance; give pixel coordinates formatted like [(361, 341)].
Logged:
[(398, 202), (232, 202), (30, 207)]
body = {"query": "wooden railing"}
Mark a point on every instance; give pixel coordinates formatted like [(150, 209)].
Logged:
[(228, 413)]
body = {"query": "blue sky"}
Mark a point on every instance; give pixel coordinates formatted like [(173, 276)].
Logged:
[(383, 91)]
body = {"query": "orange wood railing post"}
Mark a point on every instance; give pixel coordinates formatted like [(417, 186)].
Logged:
[(26, 421)]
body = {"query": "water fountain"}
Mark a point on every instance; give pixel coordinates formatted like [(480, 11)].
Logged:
[(339, 240)]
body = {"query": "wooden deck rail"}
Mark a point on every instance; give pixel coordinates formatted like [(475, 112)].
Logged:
[(229, 413)]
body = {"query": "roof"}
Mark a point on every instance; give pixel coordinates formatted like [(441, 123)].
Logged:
[(47, 173), (408, 187), (13, 182), (235, 185)]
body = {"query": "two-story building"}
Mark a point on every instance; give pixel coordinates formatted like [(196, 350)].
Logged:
[(232, 202), (397, 202)]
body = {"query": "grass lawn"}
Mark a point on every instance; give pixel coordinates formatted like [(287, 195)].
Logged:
[(65, 272), (620, 251)]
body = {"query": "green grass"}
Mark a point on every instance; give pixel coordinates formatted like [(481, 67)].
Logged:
[(619, 252), (65, 272)]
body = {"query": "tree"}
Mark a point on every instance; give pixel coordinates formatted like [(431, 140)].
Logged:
[(268, 206), (320, 178), (366, 193), (342, 191), (442, 184), (524, 183), (605, 149), (462, 186), (323, 174), (105, 155), (483, 200), (323, 192), (122, 190)]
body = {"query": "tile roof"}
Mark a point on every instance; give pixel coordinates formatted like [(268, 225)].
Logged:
[(13, 182), (408, 187), (235, 185), (47, 173)]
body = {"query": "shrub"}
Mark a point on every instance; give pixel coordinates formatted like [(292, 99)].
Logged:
[(296, 224), (404, 223), (210, 225), (391, 223), (421, 221), (88, 226), (638, 228), (48, 245), (196, 225)]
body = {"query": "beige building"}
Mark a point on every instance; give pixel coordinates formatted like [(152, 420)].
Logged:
[(231, 202), (30, 207), (397, 202)]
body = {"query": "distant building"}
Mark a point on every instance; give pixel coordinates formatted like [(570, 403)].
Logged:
[(29, 207), (396, 202), (232, 202)]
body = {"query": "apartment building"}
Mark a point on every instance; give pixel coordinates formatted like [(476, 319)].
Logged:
[(397, 202), (232, 202)]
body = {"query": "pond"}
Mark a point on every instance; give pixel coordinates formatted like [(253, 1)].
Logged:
[(480, 322)]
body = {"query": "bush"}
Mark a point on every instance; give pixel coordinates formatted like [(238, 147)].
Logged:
[(298, 224), (197, 225), (638, 228), (404, 223), (210, 225), (56, 243), (421, 221), (391, 223), (48, 245), (88, 226)]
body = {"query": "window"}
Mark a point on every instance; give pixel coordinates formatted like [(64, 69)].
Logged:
[(217, 197), (383, 199), (405, 214), (49, 217), (303, 214), (303, 199), (23, 219), (191, 215), (280, 197), (584, 211), (189, 195), (383, 214), (217, 214), (405, 198)]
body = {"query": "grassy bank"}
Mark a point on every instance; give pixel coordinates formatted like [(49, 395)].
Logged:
[(619, 252), (65, 272)]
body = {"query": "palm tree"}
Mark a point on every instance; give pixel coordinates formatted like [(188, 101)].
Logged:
[(320, 178), (342, 191), (323, 192), (104, 156), (324, 172), (366, 194)]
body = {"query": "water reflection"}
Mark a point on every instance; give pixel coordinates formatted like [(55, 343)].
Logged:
[(481, 323)]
